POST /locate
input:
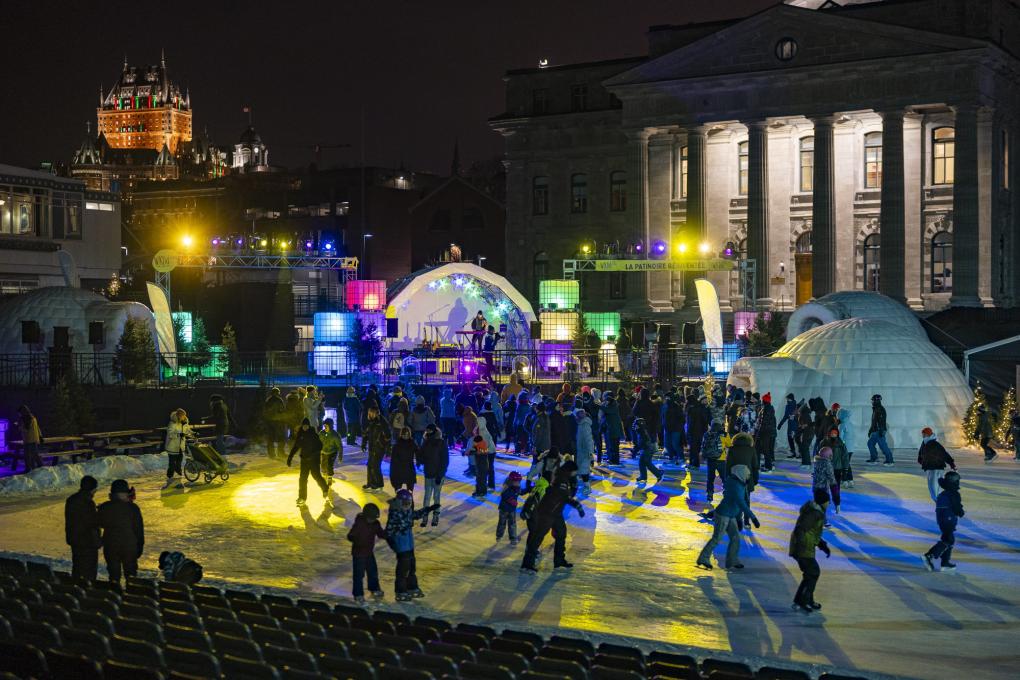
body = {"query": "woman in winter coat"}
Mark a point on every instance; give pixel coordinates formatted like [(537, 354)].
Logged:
[(840, 457), (378, 439), (585, 449), (566, 394), (612, 427), (933, 459), (307, 442), (352, 414), (824, 477), (469, 421), (400, 537), (727, 519), (540, 430), (402, 458), (178, 432), (421, 417), (434, 458), (294, 412), (559, 432), (400, 416), (985, 432), (805, 538)]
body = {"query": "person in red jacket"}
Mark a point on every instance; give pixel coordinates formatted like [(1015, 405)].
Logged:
[(362, 537)]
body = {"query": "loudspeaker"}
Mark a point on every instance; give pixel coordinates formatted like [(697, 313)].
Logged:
[(637, 333), (687, 332), (536, 330), (30, 334), (61, 337), (392, 328), (664, 334), (96, 333)]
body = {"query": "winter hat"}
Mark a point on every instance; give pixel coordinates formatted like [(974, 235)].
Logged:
[(821, 496), (307, 422), (767, 399), (514, 476), (120, 486), (741, 472), (951, 481), (791, 397), (927, 432), (419, 400), (744, 438), (876, 397), (835, 406), (834, 432), (350, 393), (431, 428), (825, 452), (404, 496)]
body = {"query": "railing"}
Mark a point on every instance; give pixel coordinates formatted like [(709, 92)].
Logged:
[(339, 366)]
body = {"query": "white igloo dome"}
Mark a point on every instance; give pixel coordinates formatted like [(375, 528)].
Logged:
[(850, 360), (850, 304)]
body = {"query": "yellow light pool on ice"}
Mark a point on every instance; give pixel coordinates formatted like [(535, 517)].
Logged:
[(270, 501)]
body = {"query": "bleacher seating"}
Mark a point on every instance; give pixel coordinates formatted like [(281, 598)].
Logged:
[(52, 627)]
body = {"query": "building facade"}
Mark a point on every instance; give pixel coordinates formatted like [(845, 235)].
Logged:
[(862, 146), (54, 231)]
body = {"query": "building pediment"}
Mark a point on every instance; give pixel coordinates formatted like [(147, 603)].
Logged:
[(784, 37)]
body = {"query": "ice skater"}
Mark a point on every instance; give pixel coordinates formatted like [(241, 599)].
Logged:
[(508, 499), (877, 431), (400, 536), (377, 436), (402, 459), (434, 458), (805, 538), (307, 442), (824, 477), (362, 537), (985, 432), (948, 511), (178, 434), (933, 459), (727, 519), (645, 449), (332, 450), (548, 516)]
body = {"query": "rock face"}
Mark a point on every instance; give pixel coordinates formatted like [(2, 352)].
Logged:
[(849, 360)]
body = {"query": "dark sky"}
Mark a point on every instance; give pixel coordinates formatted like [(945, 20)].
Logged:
[(425, 72)]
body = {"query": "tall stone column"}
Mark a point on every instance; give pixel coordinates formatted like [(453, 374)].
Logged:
[(966, 233), (638, 169), (696, 227), (892, 227), (823, 210), (758, 207)]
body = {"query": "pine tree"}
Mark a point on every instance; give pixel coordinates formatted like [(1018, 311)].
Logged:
[(970, 418), (766, 334), (136, 352), (64, 421), (228, 339), (1004, 426), (366, 344)]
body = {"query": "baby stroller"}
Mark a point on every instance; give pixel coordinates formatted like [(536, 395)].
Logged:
[(202, 459)]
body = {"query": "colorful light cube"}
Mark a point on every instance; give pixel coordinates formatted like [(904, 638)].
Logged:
[(558, 326), (605, 324), (367, 295), (559, 294)]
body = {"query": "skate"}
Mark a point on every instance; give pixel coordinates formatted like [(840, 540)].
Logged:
[(169, 481), (990, 458), (416, 593), (403, 597), (707, 566), (326, 500), (767, 469), (527, 571), (378, 594), (871, 462), (892, 464), (366, 487), (564, 564), (837, 509), (424, 521), (514, 541), (948, 566), (801, 607), (815, 606), (805, 467), (435, 518), (359, 599), (737, 566), (928, 563)]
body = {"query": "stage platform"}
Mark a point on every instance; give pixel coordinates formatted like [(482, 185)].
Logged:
[(634, 554)]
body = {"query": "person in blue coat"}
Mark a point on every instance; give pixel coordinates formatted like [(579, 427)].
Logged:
[(400, 537), (733, 506)]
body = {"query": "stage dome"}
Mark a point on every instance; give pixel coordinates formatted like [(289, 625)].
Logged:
[(437, 302), (848, 361), (850, 304)]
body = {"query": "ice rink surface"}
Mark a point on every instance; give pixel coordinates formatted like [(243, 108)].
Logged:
[(634, 554)]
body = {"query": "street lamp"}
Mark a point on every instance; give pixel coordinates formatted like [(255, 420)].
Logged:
[(364, 253), (481, 259)]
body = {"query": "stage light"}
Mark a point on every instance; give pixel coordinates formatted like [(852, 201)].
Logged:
[(729, 251), (327, 246), (187, 241), (586, 249), (703, 248), (240, 241), (308, 245), (285, 245), (216, 241), (681, 248), (658, 248), (638, 247), (263, 243)]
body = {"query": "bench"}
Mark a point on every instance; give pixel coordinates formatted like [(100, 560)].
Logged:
[(134, 446), (73, 453)]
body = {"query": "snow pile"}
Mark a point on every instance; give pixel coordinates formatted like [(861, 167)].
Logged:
[(68, 476)]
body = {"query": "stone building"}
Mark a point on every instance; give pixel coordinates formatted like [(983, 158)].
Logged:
[(840, 145)]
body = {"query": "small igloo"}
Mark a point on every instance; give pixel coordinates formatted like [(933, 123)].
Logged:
[(849, 360)]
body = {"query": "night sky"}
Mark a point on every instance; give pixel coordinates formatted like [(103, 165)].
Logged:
[(425, 73)]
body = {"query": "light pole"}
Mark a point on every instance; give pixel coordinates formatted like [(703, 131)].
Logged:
[(481, 259), (364, 254)]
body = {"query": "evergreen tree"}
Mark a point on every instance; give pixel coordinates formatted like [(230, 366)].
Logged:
[(766, 334), (1004, 426), (135, 356), (62, 406), (228, 339), (970, 418), (366, 344)]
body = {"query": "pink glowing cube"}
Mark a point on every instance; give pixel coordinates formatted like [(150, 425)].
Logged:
[(366, 295)]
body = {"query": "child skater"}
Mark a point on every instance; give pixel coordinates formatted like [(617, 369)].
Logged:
[(400, 536), (362, 537), (508, 507), (806, 536), (948, 511)]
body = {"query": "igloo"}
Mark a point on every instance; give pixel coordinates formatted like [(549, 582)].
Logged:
[(850, 304), (849, 360)]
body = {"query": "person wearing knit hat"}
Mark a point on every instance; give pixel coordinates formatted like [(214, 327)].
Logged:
[(765, 436), (933, 459), (805, 538)]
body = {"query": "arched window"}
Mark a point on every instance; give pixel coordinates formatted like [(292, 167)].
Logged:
[(942, 155), (873, 160), (807, 163), (872, 244), (579, 193), (942, 262), (803, 244), (742, 165), (617, 191), (683, 172), (540, 196)]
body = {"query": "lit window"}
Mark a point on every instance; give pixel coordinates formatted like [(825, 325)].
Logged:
[(579, 193), (807, 163), (618, 191), (872, 245), (742, 165), (803, 244), (942, 153), (942, 262), (786, 49), (540, 196), (873, 160), (683, 172)]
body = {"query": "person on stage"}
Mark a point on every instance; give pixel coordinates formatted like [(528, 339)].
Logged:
[(478, 325), (488, 349)]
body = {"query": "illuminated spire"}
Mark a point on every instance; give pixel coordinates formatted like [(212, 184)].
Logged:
[(162, 57)]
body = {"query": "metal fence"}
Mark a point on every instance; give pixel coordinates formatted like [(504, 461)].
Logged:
[(339, 365)]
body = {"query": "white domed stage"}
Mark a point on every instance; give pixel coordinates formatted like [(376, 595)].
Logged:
[(849, 360)]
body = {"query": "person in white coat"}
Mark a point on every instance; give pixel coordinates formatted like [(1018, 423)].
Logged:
[(585, 449), (178, 432), (312, 406), (482, 430)]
